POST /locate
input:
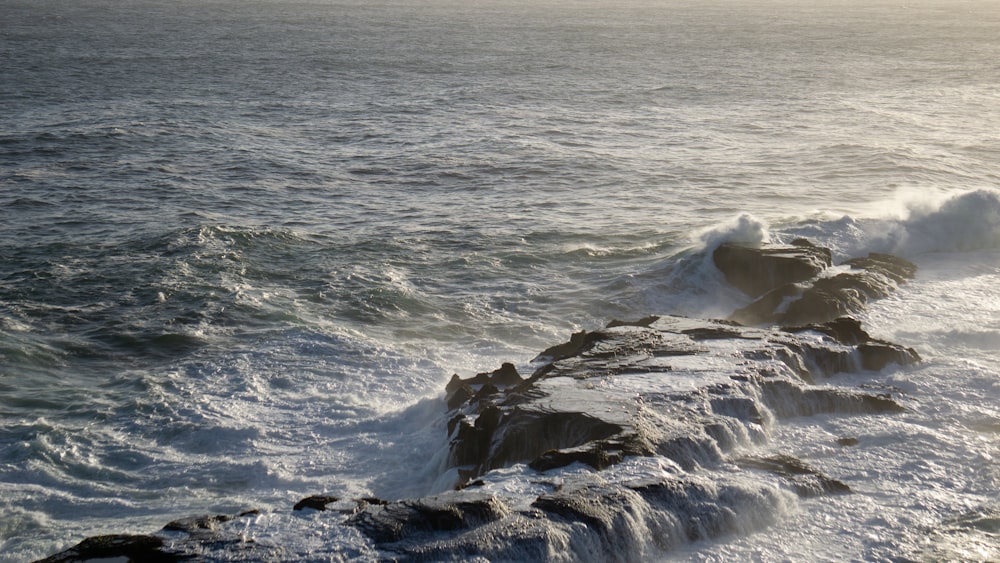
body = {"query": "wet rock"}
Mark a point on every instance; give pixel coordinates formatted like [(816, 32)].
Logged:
[(121, 547), (315, 502), (198, 524), (506, 376), (847, 442), (696, 389), (876, 355), (845, 330), (449, 512), (643, 322), (198, 538), (807, 481), (586, 520), (825, 295), (756, 271), (894, 267), (578, 343)]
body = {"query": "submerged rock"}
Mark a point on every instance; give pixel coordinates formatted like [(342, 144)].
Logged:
[(807, 481)]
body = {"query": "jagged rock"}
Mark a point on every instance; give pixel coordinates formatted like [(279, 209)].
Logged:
[(459, 395), (643, 322), (481, 386), (818, 298), (506, 376), (894, 267), (806, 481), (110, 547), (448, 512), (756, 271), (726, 384), (578, 342), (199, 524), (845, 330), (315, 502), (198, 538), (876, 355)]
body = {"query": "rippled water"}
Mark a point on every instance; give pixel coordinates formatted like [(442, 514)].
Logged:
[(243, 245)]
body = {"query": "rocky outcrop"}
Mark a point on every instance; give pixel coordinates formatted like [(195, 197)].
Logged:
[(198, 538), (799, 285), (127, 547), (623, 393), (756, 271)]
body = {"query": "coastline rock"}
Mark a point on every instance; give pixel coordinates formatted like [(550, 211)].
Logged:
[(756, 271), (315, 502), (827, 294), (130, 547), (624, 394), (807, 481)]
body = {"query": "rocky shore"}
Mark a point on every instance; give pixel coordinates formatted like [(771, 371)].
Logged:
[(693, 399)]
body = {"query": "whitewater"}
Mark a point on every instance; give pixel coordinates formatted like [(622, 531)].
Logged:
[(245, 245)]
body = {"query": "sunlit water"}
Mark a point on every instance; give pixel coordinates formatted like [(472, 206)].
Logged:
[(244, 245)]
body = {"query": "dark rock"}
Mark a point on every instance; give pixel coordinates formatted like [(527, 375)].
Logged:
[(489, 419), (876, 355), (459, 396), (523, 435), (756, 271), (578, 343), (557, 417), (845, 330), (846, 442), (791, 289), (454, 384), (196, 524), (643, 322), (315, 502), (599, 455), (482, 386), (506, 376), (713, 332), (896, 268), (449, 512), (806, 481), (487, 390), (767, 308), (130, 547)]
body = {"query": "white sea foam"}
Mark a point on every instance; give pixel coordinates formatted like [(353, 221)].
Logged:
[(745, 229)]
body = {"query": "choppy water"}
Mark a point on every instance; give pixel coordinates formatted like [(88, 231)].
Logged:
[(244, 244)]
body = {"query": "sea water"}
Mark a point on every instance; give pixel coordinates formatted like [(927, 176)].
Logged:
[(243, 245)]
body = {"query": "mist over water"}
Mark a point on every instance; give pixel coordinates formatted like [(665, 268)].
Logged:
[(243, 246)]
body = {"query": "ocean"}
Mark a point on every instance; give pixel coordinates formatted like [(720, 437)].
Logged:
[(245, 244)]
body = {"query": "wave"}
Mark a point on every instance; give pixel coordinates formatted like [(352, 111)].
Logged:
[(687, 282), (962, 222)]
